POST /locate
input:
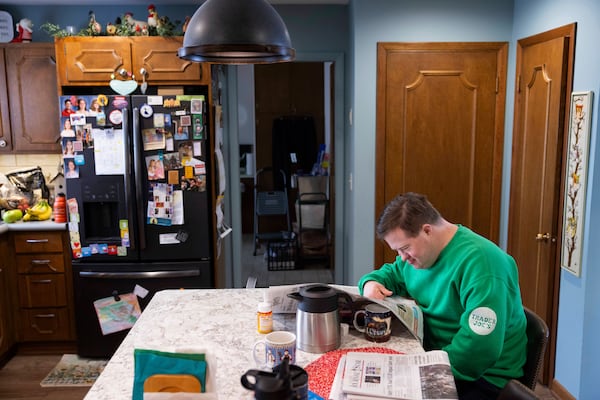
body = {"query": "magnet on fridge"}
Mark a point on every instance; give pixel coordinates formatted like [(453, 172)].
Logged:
[(75, 240), (103, 248), (116, 117), (86, 252), (122, 250), (112, 250), (79, 159), (101, 118), (146, 111), (159, 120), (73, 223)]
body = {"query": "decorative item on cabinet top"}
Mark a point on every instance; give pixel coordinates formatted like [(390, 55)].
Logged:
[(90, 61), (124, 25)]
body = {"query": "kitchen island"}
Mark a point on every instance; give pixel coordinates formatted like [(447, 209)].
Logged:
[(221, 322)]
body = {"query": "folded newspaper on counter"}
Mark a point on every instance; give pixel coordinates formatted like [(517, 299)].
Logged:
[(406, 310), (419, 376)]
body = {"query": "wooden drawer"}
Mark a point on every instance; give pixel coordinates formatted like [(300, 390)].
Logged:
[(38, 242), (42, 290), (42, 263), (45, 324)]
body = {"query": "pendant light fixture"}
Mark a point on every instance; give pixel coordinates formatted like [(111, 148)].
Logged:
[(236, 32)]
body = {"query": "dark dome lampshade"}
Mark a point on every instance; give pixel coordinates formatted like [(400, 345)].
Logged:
[(236, 32)]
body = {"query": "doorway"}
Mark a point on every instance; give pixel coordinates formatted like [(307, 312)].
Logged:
[(542, 91), (330, 96)]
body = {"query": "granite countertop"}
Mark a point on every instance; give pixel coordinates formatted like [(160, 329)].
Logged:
[(221, 322)]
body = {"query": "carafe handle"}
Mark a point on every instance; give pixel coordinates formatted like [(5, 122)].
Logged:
[(295, 296)]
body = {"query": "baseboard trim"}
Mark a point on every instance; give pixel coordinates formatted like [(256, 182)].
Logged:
[(560, 391)]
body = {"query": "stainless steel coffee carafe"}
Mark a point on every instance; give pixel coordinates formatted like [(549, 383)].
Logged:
[(317, 318)]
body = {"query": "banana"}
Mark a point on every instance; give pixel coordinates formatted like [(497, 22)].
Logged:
[(41, 211)]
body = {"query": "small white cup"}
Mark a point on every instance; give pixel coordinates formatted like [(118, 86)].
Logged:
[(277, 346)]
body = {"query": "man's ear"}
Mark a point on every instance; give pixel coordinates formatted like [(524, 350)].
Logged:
[(427, 229)]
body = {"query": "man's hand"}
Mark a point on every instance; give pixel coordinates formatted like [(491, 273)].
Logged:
[(376, 290)]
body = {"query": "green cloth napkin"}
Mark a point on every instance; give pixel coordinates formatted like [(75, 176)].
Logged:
[(152, 362)]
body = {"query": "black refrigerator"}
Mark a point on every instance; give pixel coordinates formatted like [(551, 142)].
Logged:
[(136, 170)]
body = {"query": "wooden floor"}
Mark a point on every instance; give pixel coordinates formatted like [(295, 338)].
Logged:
[(21, 376)]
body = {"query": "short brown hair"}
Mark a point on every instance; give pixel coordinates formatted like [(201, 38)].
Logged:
[(409, 212)]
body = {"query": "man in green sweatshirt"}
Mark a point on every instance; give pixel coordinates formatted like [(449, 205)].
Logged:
[(467, 287)]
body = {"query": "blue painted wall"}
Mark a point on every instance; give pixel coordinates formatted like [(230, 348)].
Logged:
[(327, 29)]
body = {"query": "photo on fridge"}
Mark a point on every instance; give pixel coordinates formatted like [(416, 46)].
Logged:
[(155, 167)]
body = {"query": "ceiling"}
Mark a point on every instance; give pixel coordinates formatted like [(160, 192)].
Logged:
[(146, 2)]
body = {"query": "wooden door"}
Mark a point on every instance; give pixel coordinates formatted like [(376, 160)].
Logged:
[(33, 97), (440, 129), (544, 74)]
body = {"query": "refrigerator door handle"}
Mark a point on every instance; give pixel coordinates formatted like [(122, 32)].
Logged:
[(140, 275), (127, 179), (138, 173)]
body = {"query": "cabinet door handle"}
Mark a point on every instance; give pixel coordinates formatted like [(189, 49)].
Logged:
[(42, 262), (37, 240), (42, 281), (45, 315)]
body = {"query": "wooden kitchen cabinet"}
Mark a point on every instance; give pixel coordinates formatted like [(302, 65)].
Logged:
[(44, 285), (28, 99), (90, 61), (7, 337)]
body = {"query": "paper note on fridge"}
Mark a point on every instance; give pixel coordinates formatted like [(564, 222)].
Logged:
[(109, 151), (117, 313)]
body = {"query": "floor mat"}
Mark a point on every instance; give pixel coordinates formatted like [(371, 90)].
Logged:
[(73, 370)]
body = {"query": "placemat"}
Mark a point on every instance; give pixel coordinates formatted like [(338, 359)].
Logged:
[(321, 372)]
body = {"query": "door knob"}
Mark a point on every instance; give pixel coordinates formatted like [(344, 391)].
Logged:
[(543, 237)]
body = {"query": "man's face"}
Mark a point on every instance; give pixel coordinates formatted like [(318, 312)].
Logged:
[(418, 251)]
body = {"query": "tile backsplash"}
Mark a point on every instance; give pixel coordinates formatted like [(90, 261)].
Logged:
[(48, 162)]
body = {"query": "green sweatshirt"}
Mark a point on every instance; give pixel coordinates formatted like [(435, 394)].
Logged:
[(471, 305)]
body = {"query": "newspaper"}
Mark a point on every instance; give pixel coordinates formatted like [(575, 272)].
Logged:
[(406, 310), (420, 376)]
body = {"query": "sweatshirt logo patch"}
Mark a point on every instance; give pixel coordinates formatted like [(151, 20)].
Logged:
[(482, 321)]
